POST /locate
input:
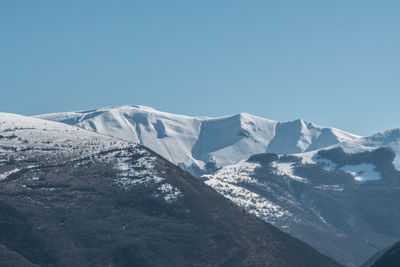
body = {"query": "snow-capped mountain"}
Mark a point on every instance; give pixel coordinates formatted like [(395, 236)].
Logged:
[(332, 189), (201, 142), (72, 197)]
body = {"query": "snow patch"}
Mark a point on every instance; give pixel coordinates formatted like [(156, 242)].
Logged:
[(286, 169), (236, 173), (135, 172), (362, 172), (227, 182), (5, 175), (250, 201), (168, 192), (329, 187)]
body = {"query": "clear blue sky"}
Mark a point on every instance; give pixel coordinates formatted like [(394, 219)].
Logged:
[(335, 63)]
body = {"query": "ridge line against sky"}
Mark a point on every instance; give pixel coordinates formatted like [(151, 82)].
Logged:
[(331, 63), (200, 116)]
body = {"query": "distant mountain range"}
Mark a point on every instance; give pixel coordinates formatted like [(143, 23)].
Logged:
[(199, 144), (72, 197), (337, 191)]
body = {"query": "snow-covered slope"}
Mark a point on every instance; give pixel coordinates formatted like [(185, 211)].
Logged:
[(200, 142), (21, 133), (31, 143)]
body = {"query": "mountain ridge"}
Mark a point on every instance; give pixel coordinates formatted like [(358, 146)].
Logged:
[(197, 142)]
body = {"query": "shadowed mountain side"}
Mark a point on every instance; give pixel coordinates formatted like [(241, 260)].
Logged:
[(391, 258), (11, 259)]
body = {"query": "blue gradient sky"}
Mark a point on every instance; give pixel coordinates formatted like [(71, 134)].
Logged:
[(335, 63)]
